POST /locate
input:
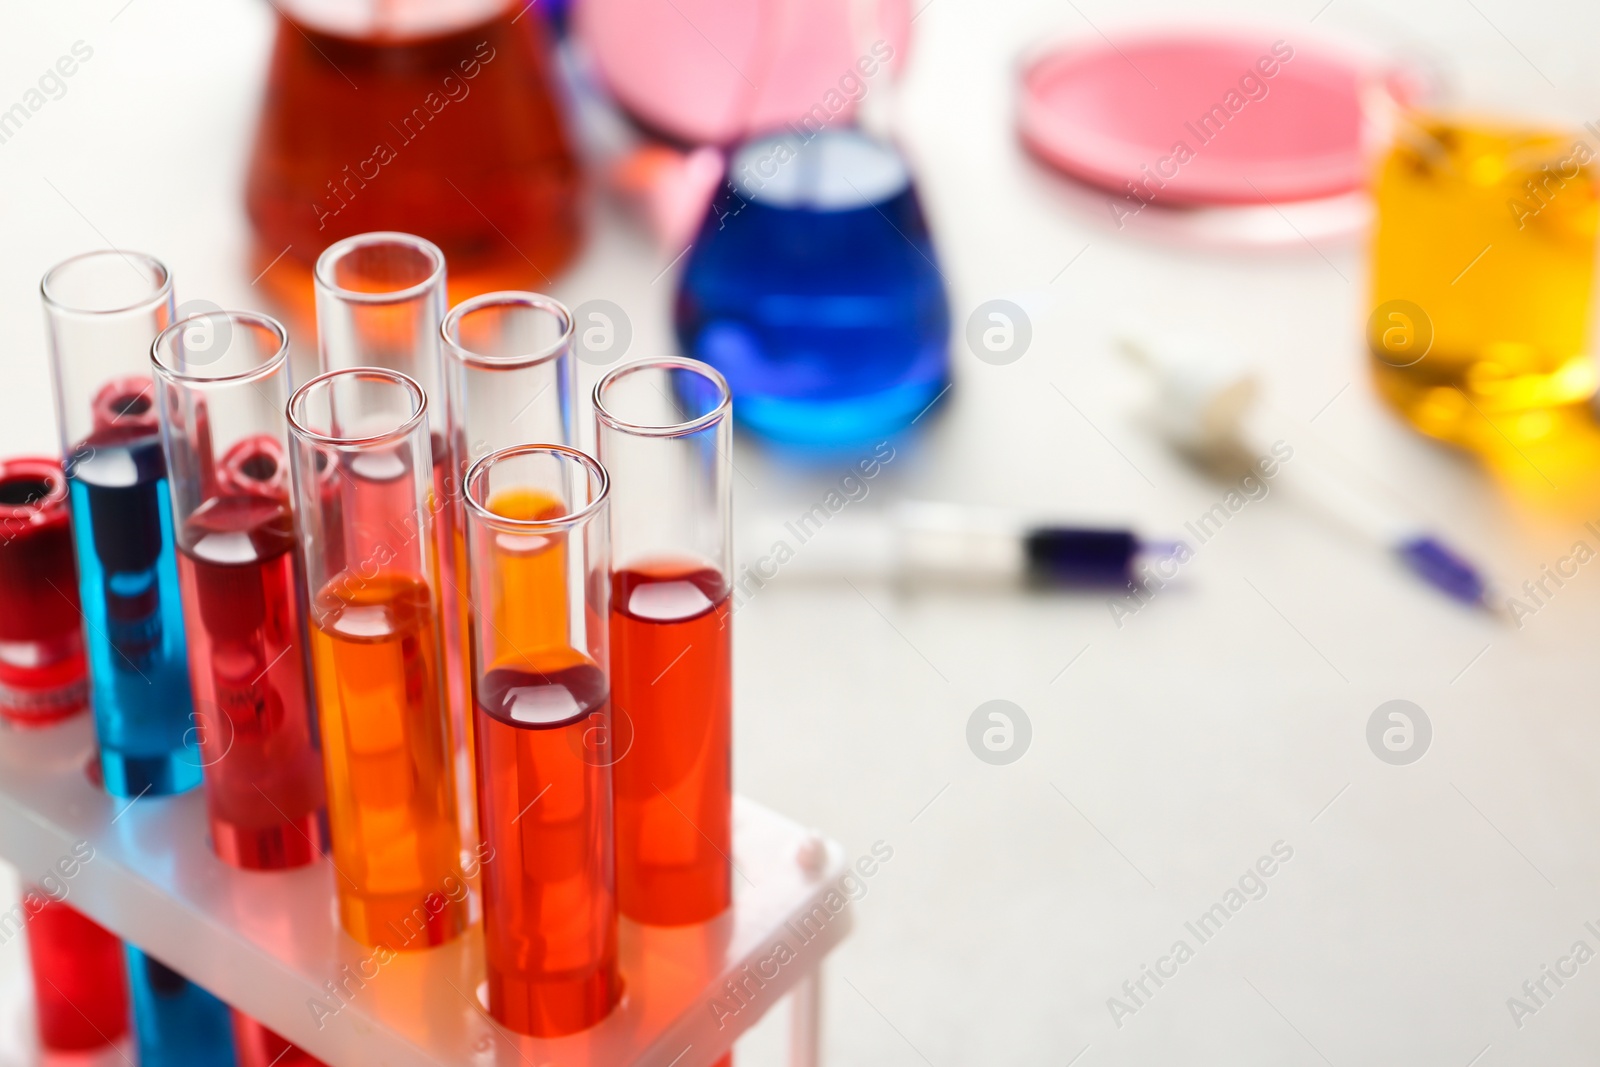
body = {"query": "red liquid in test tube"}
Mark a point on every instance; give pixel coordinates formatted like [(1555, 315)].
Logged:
[(544, 770), (664, 433), (222, 383), (537, 535), (236, 560), (672, 675), (80, 981), (256, 1046), (42, 665)]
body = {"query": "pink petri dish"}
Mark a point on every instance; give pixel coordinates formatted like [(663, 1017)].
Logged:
[(1200, 118)]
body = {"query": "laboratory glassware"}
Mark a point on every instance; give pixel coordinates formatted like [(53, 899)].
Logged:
[(441, 118), (761, 63), (80, 981), (374, 622), (813, 286), (222, 381), (538, 536), (664, 434), (176, 1022), (380, 303), (509, 375), (103, 310), (257, 1046), (1482, 279), (43, 672)]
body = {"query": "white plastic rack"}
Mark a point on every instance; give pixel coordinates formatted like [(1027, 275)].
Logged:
[(270, 944)]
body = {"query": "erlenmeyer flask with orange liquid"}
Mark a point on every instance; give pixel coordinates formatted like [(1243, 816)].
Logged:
[(437, 117)]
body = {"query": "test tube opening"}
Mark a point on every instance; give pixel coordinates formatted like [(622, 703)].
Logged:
[(107, 282), (357, 407), (380, 267), (574, 484), (667, 397), (216, 346), (507, 329), (380, 298), (24, 492), (42, 667)]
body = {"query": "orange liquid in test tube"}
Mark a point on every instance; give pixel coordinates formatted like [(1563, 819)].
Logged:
[(396, 842), (531, 577)]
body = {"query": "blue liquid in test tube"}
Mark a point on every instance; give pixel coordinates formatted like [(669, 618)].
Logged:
[(103, 311), (177, 1023), (812, 287), (138, 660)]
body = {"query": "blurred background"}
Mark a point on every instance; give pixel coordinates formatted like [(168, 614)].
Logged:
[(1343, 355)]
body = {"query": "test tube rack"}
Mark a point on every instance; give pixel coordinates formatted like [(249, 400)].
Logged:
[(269, 942)]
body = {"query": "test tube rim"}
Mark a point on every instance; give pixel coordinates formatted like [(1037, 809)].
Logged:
[(263, 369), (322, 273), (598, 474), (44, 469), (418, 415), (681, 429), (522, 297), (159, 295)]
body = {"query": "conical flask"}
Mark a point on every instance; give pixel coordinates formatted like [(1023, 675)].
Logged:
[(437, 118)]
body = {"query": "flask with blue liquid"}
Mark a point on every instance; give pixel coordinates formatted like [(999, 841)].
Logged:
[(813, 286)]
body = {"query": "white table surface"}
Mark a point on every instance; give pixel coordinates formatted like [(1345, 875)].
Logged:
[(1177, 749)]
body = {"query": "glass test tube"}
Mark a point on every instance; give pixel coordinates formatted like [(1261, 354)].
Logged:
[(79, 982), (222, 381), (664, 433), (103, 310), (176, 1022), (80, 987), (374, 617), (544, 746), (256, 1046), (380, 301), (43, 673), (509, 376)]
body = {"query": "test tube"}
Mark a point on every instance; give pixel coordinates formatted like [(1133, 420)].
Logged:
[(176, 1022), (509, 377), (380, 301), (79, 982), (392, 803), (509, 374), (222, 383), (663, 431), (256, 1046), (80, 988), (543, 736), (42, 667), (102, 311)]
